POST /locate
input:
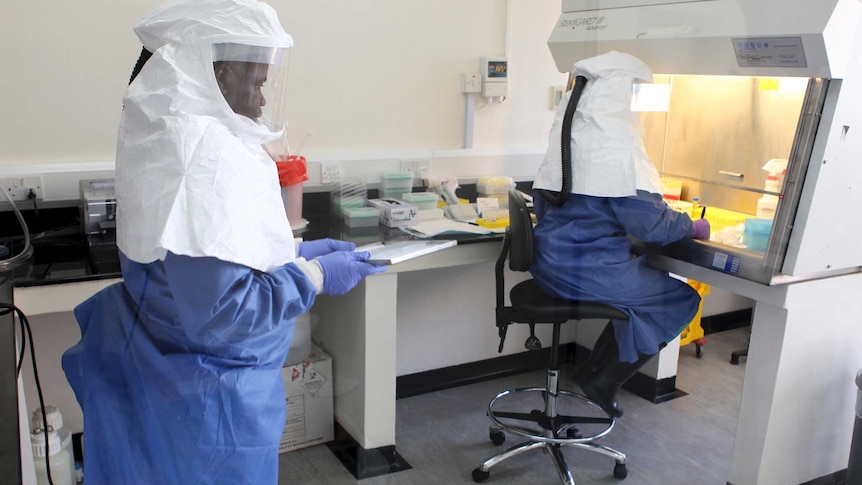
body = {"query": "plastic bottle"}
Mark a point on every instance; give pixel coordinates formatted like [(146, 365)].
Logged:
[(55, 423), (695, 208), (62, 470), (768, 203)]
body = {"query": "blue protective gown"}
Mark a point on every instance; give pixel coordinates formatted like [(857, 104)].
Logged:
[(582, 252), (178, 371)]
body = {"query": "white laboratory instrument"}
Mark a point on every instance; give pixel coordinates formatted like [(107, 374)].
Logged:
[(495, 77), (747, 85), (751, 81)]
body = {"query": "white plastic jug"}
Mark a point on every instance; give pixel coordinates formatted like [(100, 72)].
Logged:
[(62, 469)]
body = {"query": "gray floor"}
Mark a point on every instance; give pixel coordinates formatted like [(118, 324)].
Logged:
[(444, 435)]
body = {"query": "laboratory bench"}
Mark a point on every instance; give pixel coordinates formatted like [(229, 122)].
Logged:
[(62, 254), (83, 265), (358, 329)]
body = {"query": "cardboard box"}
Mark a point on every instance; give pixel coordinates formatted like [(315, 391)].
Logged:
[(308, 396), (394, 212)]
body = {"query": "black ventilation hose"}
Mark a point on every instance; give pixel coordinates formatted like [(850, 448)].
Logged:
[(557, 199), (142, 59)]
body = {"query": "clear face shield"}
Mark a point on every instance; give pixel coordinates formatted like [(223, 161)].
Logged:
[(252, 80)]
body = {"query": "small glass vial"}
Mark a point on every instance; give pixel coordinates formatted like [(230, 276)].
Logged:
[(62, 470)]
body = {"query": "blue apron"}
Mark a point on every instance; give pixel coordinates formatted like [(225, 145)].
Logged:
[(582, 252), (178, 372)]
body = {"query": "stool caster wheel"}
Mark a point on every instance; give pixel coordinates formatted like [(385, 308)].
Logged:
[(699, 351), (619, 471), (573, 433), (479, 476), (497, 437)]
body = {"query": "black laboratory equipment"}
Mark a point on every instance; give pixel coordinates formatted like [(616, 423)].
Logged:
[(98, 208)]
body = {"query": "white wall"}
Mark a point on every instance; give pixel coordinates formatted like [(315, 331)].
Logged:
[(367, 76), (371, 81)]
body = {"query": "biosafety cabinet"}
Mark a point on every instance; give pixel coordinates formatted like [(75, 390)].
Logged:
[(755, 111)]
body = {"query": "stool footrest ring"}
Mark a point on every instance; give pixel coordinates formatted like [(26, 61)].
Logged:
[(552, 426)]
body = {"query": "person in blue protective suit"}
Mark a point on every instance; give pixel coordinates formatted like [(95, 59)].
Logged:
[(178, 370), (594, 189)]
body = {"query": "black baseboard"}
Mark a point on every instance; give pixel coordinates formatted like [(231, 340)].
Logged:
[(364, 463), (483, 370), (651, 389), (726, 321)]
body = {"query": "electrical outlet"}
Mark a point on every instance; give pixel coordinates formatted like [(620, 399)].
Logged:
[(471, 82), (330, 172), (557, 93), (19, 187), (420, 168)]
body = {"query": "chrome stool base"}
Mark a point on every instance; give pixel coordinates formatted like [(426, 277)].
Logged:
[(552, 431)]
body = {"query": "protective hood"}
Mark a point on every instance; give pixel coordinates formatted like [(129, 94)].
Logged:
[(192, 176), (608, 156)]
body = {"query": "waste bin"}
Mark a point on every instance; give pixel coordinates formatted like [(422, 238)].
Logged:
[(854, 466), (292, 172), (694, 333)]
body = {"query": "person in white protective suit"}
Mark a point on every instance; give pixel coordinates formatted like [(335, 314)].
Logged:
[(595, 187), (178, 370)]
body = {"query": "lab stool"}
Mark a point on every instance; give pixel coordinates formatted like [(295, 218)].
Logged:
[(544, 428), (549, 431)]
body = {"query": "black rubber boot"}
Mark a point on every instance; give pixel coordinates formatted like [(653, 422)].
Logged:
[(604, 351), (603, 386)]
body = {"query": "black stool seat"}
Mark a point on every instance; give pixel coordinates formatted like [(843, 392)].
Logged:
[(528, 299)]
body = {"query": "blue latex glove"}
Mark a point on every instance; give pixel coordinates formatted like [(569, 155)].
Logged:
[(319, 247), (700, 229), (342, 270)]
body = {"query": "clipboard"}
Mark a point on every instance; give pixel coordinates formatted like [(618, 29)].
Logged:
[(394, 252)]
